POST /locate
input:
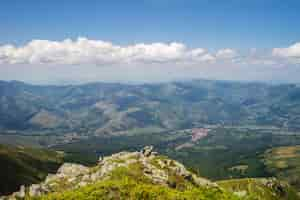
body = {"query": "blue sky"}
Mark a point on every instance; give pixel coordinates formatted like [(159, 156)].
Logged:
[(242, 26), (208, 23)]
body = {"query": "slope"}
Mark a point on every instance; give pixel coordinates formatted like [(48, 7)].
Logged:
[(22, 165), (144, 175)]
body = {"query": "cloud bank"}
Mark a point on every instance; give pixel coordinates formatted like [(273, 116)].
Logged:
[(226, 54), (98, 52), (85, 51), (84, 60), (292, 53)]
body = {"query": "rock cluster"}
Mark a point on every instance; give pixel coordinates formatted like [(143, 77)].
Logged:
[(69, 169), (70, 176), (274, 184), (147, 151)]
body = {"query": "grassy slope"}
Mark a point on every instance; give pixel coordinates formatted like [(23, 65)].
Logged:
[(20, 165), (284, 162), (131, 189), (130, 183), (258, 190)]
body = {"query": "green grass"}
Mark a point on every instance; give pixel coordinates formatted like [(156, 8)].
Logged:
[(130, 183), (127, 188), (284, 163), (257, 190), (213, 156)]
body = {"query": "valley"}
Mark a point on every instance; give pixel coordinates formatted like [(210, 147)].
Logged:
[(215, 134), (149, 100)]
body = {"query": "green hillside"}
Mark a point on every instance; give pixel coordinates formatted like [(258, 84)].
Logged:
[(98, 109), (23, 166), (126, 187), (260, 188), (225, 152), (129, 188), (219, 130), (284, 163)]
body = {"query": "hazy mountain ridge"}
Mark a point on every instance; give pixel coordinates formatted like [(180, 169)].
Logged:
[(104, 108)]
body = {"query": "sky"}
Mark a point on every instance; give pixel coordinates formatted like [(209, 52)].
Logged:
[(66, 41)]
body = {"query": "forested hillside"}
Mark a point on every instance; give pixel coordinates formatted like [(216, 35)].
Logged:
[(24, 166), (103, 108)]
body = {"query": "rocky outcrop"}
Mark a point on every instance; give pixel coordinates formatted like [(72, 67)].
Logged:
[(69, 169), (147, 151), (155, 168), (35, 190)]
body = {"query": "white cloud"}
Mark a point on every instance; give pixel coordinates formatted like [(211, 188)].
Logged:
[(78, 61), (102, 53), (292, 51), (207, 58), (226, 54), (85, 51)]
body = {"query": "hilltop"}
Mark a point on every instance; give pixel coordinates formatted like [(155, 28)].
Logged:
[(146, 175)]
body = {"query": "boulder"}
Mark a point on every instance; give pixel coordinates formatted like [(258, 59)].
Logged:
[(82, 184), (147, 151), (22, 192), (72, 170), (86, 177), (35, 190), (50, 178), (100, 159)]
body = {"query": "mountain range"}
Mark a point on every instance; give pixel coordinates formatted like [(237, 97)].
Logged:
[(247, 130), (108, 108)]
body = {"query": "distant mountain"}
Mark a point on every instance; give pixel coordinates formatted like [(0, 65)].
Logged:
[(107, 108), (146, 175)]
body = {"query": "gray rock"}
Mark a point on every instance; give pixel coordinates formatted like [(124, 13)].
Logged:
[(100, 159), (86, 177), (22, 192), (76, 176), (50, 178), (72, 170), (147, 151), (158, 176), (202, 181), (35, 190), (71, 180), (95, 176), (82, 184)]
